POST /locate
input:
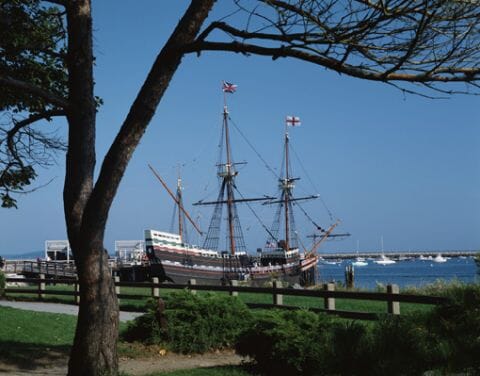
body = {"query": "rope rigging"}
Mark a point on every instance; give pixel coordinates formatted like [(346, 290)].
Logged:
[(313, 185), (256, 216), (253, 148)]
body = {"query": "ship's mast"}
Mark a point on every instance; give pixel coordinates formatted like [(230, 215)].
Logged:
[(228, 177), (180, 205), (227, 173), (285, 199), (178, 200), (286, 188)]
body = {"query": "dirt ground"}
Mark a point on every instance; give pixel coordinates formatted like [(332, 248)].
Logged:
[(57, 365)]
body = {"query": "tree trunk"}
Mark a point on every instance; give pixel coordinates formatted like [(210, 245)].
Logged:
[(86, 208), (94, 351)]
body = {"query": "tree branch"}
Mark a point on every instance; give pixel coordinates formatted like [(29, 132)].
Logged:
[(34, 90), (439, 75), (399, 40), (46, 115)]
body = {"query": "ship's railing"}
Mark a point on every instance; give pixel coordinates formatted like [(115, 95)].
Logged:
[(392, 297)]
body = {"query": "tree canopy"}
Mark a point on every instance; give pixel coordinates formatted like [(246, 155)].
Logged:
[(34, 88)]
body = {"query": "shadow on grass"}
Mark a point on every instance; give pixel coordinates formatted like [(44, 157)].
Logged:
[(240, 370), (30, 356)]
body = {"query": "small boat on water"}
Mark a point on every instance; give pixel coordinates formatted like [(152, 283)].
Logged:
[(439, 258), (360, 261), (425, 258), (384, 260), (331, 262)]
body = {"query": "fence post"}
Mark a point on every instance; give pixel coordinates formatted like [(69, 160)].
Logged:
[(76, 290), (41, 287), (277, 298), (117, 288), (329, 302), (234, 283), (393, 306), (192, 282), (155, 290)]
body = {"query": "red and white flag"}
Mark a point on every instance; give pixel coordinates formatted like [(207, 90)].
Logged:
[(228, 87), (293, 121)]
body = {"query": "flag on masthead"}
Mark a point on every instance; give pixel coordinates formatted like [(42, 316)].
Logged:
[(228, 87), (293, 121)]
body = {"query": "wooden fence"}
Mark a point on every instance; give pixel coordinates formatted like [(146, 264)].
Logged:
[(391, 297)]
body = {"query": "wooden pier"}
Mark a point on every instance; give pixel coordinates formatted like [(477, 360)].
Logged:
[(397, 255), (50, 269)]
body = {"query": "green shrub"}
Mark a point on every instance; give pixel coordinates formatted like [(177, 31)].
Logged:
[(144, 328), (195, 323), (304, 343), (456, 326), (2, 282), (286, 342), (349, 350), (401, 346)]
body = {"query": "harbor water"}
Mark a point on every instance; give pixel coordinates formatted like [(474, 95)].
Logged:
[(407, 273)]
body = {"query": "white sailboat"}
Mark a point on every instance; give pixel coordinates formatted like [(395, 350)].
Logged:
[(384, 260), (439, 258), (359, 261)]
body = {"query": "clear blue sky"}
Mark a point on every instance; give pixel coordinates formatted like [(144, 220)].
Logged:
[(402, 167)]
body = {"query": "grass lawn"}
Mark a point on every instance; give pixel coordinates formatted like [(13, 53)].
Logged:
[(26, 335)]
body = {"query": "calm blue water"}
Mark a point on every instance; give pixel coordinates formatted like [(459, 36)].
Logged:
[(412, 272)]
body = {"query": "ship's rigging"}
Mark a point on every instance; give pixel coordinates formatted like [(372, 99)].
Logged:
[(282, 235), (226, 197)]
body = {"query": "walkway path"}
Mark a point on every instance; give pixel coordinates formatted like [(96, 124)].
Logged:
[(58, 308)]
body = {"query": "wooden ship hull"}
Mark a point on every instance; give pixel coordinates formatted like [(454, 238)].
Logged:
[(178, 263)]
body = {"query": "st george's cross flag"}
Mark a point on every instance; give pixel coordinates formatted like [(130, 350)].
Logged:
[(293, 121), (228, 87)]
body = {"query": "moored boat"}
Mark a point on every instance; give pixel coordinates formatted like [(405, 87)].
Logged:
[(439, 258), (360, 261)]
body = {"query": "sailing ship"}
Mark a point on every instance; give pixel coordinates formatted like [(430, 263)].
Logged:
[(173, 259)]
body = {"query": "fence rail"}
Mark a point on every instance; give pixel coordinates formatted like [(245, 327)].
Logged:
[(392, 297)]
